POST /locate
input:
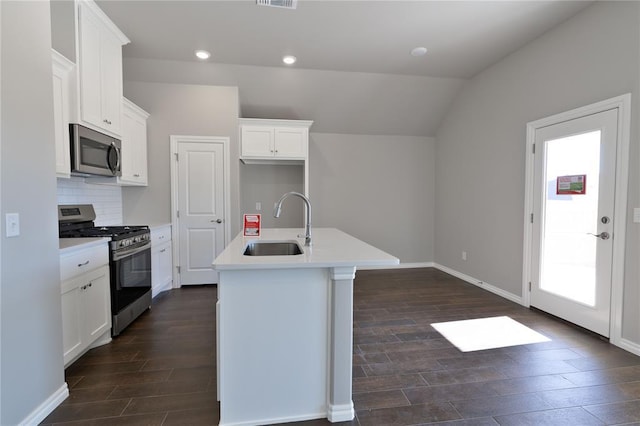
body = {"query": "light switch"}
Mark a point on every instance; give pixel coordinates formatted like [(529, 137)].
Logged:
[(258, 206), (636, 215), (13, 224)]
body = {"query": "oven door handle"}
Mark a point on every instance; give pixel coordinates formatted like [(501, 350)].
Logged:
[(118, 255)]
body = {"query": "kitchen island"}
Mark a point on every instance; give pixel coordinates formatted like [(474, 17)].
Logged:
[(285, 327)]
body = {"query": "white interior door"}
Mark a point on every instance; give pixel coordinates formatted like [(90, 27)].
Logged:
[(573, 207), (200, 212)]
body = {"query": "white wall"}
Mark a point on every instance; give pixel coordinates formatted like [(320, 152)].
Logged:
[(480, 147), (106, 199), (265, 183), (31, 359), (336, 101), (63, 36), (179, 109), (379, 189), (347, 107)]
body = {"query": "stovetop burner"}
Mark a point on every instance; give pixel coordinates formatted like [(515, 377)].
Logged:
[(76, 221)]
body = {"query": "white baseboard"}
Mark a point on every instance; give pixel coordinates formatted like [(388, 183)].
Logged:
[(47, 407), (340, 413), (275, 420), (482, 284), (629, 346), (398, 266), (164, 287)]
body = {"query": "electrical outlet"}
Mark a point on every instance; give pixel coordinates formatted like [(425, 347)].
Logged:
[(464, 255), (636, 215), (13, 224)]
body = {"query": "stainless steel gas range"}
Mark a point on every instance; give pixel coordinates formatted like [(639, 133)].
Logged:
[(129, 261)]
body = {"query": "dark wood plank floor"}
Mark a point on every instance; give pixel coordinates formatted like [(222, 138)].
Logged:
[(161, 370)]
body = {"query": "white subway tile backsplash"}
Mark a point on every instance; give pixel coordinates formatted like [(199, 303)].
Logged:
[(106, 199)]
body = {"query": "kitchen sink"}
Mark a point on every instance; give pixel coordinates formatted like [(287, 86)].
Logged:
[(272, 248)]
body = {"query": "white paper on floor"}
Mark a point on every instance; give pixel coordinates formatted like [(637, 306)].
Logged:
[(487, 333)]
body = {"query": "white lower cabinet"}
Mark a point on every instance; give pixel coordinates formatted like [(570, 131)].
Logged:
[(161, 260), (86, 305)]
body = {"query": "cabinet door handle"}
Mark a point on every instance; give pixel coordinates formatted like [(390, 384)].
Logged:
[(163, 250), (136, 175), (80, 265), (106, 121)]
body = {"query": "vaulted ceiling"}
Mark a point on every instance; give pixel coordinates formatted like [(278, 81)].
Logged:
[(354, 73)]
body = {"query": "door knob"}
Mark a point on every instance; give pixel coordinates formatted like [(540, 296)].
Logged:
[(602, 235), (217, 221)]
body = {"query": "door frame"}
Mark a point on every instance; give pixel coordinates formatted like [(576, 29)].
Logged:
[(175, 140), (623, 104)]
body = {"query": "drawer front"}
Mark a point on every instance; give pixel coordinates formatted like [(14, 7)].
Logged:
[(82, 261), (160, 235)]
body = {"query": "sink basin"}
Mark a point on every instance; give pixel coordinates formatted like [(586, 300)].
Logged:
[(272, 248)]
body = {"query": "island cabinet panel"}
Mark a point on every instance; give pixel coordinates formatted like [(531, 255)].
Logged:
[(283, 315), (285, 327)]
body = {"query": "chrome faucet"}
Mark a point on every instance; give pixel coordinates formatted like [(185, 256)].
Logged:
[(278, 210)]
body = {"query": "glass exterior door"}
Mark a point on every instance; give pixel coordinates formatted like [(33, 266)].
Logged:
[(573, 213)]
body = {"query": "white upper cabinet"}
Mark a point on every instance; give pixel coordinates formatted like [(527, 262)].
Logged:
[(62, 110), (274, 140), (99, 56), (134, 144)]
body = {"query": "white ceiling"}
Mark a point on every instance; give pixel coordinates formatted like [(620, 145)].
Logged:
[(463, 37), (354, 72)]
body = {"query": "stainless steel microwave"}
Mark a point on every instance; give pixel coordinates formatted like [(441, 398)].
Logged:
[(93, 153)]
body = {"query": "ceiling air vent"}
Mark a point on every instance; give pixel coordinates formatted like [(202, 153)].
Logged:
[(286, 4)]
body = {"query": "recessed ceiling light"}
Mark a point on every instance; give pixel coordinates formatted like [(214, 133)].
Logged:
[(289, 59), (419, 51), (203, 54)]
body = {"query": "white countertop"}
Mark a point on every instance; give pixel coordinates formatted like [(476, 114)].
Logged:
[(154, 226), (72, 244), (330, 248)]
